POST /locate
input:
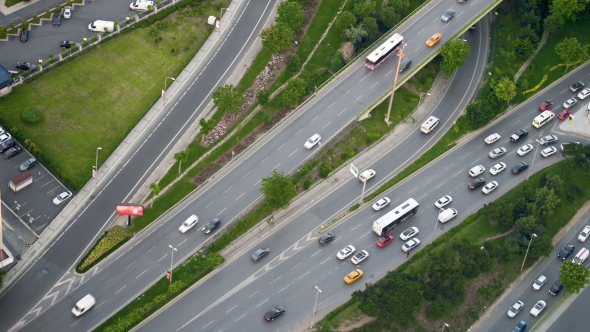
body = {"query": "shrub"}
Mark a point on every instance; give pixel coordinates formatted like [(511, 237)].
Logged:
[(294, 63), (336, 61), (263, 96), (31, 115), (373, 137), (110, 241), (325, 171), (345, 155), (308, 182)]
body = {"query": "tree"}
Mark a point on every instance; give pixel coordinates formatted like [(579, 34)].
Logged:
[(31, 115), (278, 189), (523, 48), (528, 32), (505, 89), (227, 98), (554, 24), (574, 277), (554, 182), (388, 17), (291, 14), (526, 224), (567, 9), (530, 19), (370, 24), (571, 51), (356, 34), (181, 157), (453, 54), (277, 37), (296, 88), (336, 61), (546, 202), (294, 63), (345, 20), (364, 9), (155, 190), (206, 126), (263, 96)]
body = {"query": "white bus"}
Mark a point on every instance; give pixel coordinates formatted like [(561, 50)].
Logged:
[(378, 56), (403, 212), (542, 119)]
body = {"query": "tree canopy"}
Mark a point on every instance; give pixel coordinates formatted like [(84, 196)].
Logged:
[(227, 98), (574, 277), (571, 52), (278, 189), (453, 54), (291, 14), (505, 89), (277, 37)]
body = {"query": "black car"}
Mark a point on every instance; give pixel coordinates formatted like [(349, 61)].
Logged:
[(274, 313), (24, 35), (13, 152), (326, 238), (521, 166), (554, 290), (476, 183), (66, 43), (259, 253), (25, 66), (56, 19), (577, 86), (520, 133), (211, 226), (28, 164), (566, 251), (4, 146), (472, 28)]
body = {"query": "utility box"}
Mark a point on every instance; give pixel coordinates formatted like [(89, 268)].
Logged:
[(19, 182), (211, 20)]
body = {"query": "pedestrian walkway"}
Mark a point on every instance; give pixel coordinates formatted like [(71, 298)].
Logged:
[(580, 124)]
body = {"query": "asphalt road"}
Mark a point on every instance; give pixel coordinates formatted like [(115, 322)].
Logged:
[(573, 319), (45, 39), (298, 263), (57, 261), (145, 261)]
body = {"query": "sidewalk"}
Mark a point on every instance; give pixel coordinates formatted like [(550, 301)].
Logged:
[(24, 9), (581, 123)]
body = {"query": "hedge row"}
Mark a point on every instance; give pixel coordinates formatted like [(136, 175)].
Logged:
[(110, 241)]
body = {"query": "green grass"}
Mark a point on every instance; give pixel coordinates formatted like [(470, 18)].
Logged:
[(503, 27), (10, 3), (84, 107)]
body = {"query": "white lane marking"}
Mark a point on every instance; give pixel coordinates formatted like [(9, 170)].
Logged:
[(294, 267), (155, 246), (244, 315), (292, 153), (208, 204), (183, 241), (466, 155), (342, 112), (317, 252), (283, 288), (327, 259), (306, 273), (326, 124), (431, 178), (228, 189), (298, 131), (263, 302), (240, 196), (281, 146), (448, 167), (391, 71), (277, 166), (256, 182), (458, 173), (108, 281), (275, 280), (440, 185), (409, 192), (254, 294), (359, 97), (141, 274), (263, 160), (373, 85), (333, 103), (359, 225), (120, 289), (162, 257), (211, 322), (222, 210), (421, 31), (367, 233), (232, 308), (312, 120), (362, 79)]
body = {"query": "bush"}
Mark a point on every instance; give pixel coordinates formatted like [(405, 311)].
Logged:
[(336, 61), (325, 171), (308, 182), (109, 242), (294, 63), (263, 96), (31, 115), (373, 137), (345, 155)]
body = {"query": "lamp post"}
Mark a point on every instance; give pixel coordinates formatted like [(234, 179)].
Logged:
[(318, 291), (400, 55), (444, 324), (436, 222), (527, 251), (534, 156), (220, 15), (95, 167), (164, 91), (363, 193), (171, 261)]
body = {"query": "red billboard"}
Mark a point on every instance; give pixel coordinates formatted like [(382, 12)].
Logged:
[(129, 209)]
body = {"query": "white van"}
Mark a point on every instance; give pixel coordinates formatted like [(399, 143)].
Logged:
[(83, 305), (429, 124), (99, 26), (447, 215), (543, 118), (581, 256), (141, 5)]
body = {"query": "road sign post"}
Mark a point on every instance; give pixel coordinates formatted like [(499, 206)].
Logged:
[(354, 170)]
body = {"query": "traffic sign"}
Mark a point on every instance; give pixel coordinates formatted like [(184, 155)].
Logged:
[(354, 170)]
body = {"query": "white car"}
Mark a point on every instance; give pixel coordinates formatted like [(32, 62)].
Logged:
[(541, 280), (381, 203), (570, 102), (515, 309), (62, 198), (5, 137), (548, 151), (413, 243), (525, 149), (67, 12), (443, 201), (188, 223), (538, 308), (492, 138), (476, 170), (497, 152), (367, 175), (347, 251), (584, 93), (488, 188), (584, 234), (499, 167), (312, 141), (359, 257), (409, 233)]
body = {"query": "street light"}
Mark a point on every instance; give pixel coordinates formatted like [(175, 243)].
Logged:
[(534, 156), (95, 167), (221, 14), (400, 55), (445, 324), (171, 261), (436, 222), (527, 251), (164, 91), (314, 306)]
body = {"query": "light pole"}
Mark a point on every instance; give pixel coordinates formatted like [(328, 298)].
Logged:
[(363, 193), (95, 167), (221, 14), (318, 291), (96, 161), (527, 251), (444, 324), (436, 222), (164, 91), (534, 156), (171, 261), (400, 55)]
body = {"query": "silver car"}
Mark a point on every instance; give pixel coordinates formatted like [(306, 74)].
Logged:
[(448, 15)]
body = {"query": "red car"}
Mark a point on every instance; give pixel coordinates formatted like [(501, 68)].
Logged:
[(384, 240), (565, 114), (547, 104)]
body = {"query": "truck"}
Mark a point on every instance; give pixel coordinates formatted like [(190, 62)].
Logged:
[(20, 181), (141, 5), (99, 26)]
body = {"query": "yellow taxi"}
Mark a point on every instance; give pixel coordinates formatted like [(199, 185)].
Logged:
[(433, 40), (353, 276)]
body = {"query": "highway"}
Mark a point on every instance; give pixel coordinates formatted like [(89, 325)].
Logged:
[(299, 263), (573, 319), (56, 263), (144, 259)]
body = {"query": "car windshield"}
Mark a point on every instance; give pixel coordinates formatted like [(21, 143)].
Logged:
[(310, 140), (538, 282)]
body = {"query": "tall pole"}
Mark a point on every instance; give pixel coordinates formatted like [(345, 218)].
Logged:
[(534, 156), (96, 167), (363, 193), (400, 55), (164, 91), (527, 251), (220, 15), (171, 261), (318, 291), (436, 222)]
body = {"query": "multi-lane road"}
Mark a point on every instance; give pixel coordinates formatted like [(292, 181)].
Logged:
[(123, 277)]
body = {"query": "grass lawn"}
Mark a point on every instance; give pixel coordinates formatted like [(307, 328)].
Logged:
[(99, 97)]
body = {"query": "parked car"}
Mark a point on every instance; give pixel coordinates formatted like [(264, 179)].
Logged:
[(56, 19), (476, 183), (499, 167), (24, 35), (345, 252), (6, 145), (556, 288), (411, 244), (381, 203), (25, 66), (13, 152), (577, 86), (497, 152), (259, 253), (520, 133), (564, 114), (521, 166), (67, 12), (409, 233), (541, 280), (566, 251), (443, 201), (62, 198), (448, 15), (546, 105), (28, 164), (211, 225), (274, 313), (312, 141), (326, 238), (384, 240), (67, 44), (515, 309), (5, 137), (570, 102)]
